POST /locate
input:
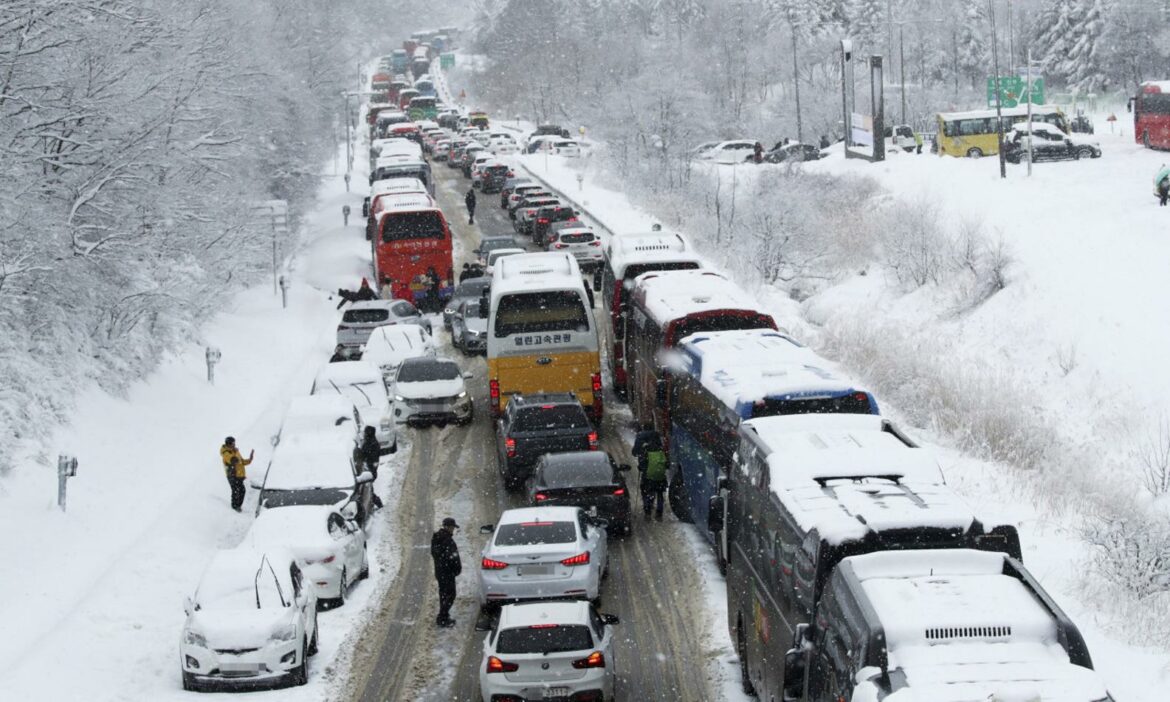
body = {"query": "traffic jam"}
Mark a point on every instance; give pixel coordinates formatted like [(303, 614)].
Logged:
[(630, 391)]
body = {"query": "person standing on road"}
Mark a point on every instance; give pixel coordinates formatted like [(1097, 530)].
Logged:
[(371, 454), (445, 554), (234, 467), (469, 200), (652, 468)]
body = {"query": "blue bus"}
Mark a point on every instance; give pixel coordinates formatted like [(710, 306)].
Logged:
[(720, 379)]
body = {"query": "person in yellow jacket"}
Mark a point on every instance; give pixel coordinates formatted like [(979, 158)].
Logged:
[(233, 466)]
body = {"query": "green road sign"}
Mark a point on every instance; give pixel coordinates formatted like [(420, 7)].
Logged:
[(1011, 90), (446, 61)]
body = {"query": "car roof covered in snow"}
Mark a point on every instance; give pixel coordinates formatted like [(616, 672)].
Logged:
[(295, 527), (847, 475), (648, 247), (404, 202), (1006, 111), (522, 515), (313, 406), (524, 614), (389, 345), (743, 367), (230, 582), (348, 373), (670, 295), (327, 462), (962, 625)]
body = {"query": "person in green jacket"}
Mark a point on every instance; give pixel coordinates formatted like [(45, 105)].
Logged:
[(1162, 185)]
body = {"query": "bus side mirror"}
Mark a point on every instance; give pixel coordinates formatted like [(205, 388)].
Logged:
[(715, 514), (660, 394), (1129, 105), (484, 303), (366, 207), (723, 484)]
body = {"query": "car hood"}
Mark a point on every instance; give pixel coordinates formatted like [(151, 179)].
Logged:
[(235, 628), (430, 389), (475, 324)]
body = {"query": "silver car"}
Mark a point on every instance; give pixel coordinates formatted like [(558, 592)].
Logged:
[(470, 289), (362, 318), (540, 553), (468, 328)]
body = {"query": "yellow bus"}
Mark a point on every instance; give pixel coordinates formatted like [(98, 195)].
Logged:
[(973, 133), (541, 335)]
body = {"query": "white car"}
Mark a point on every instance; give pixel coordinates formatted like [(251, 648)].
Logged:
[(481, 159), (503, 143), (431, 390), (566, 147), (362, 317), (361, 383), (331, 547), (309, 418), (252, 621), (549, 650), (730, 151), (543, 553), (388, 347), (582, 243), (497, 254), (441, 150)]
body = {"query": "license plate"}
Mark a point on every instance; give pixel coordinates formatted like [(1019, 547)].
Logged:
[(240, 667), (557, 692), (534, 570)]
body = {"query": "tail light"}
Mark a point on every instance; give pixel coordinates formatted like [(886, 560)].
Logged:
[(619, 491), (495, 665), (595, 660), (592, 441), (494, 396), (540, 497), (542, 220), (511, 174), (510, 445), (596, 380), (561, 246), (579, 559), (595, 243), (489, 564)]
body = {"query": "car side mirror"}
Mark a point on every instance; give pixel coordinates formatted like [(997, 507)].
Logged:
[(364, 477), (715, 514), (794, 663), (468, 375), (487, 528), (350, 511), (610, 619), (624, 467), (599, 522)]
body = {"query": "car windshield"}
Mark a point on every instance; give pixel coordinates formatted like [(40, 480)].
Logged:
[(367, 316), (293, 498), (426, 370), (583, 238), (544, 639), (545, 417), (533, 533), (583, 474)]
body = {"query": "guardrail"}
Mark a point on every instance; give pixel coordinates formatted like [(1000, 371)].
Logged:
[(592, 219)]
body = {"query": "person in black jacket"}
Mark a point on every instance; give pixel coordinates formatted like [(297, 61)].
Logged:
[(371, 454), (469, 200), (445, 554)]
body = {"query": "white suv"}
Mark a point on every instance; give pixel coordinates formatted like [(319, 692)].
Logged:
[(549, 650), (582, 243)]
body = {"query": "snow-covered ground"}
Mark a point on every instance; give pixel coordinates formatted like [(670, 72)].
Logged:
[(92, 599), (1118, 318)]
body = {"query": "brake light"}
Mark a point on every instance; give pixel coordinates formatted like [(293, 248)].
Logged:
[(579, 559), (592, 441), (494, 396), (511, 174), (595, 243), (542, 626), (540, 497), (542, 220), (495, 665), (489, 564), (510, 445), (619, 491), (561, 246), (596, 379), (595, 660)]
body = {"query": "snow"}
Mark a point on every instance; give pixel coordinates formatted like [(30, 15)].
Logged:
[(318, 417), (429, 389), (528, 272), (672, 295), (301, 528), (320, 461), (627, 248), (391, 345)]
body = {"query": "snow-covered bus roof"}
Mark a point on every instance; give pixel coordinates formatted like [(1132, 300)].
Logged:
[(847, 475), (743, 367), (398, 186), (403, 202), (648, 247), (670, 295), (1160, 86), (962, 627), (533, 272), (1020, 111)]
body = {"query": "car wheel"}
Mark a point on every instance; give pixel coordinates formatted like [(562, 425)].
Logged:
[(1146, 139), (974, 153), (467, 420), (189, 683), (300, 674), (341, 589), (365, 563), (1077, 155), (312, 649)]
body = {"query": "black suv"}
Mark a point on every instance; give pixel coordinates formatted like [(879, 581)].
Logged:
[(533, 425), (590, 480)]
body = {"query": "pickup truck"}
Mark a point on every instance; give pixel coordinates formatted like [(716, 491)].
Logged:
[(533, 425)]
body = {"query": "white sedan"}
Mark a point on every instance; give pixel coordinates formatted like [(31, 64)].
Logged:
[(251, 622), (549, 650), (332, 547), (431, 390), (729, 151), (543, 553)]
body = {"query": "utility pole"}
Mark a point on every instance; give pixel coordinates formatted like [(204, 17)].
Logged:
[(1028, 97), (998, 93), (796, 85), (902, 66), (846, 64)]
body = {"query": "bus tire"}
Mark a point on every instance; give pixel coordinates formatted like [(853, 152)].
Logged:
[(720, 556), (1146, 139), (741, 649), (677, 495), (974, 152)]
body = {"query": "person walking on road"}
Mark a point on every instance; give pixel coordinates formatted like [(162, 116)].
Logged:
[(469, 200), (652, 468), (445, 554), (371, 455), (1162, 185), (234, 467)]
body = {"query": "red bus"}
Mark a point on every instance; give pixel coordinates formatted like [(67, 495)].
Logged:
[(1151, 115), (628, 256), (413, 245), (666, 307)]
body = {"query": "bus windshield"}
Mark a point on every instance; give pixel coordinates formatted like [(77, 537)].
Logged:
[(554, 310), (412, 225)]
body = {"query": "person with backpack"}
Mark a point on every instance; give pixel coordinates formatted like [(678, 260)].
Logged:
[(652, 468)]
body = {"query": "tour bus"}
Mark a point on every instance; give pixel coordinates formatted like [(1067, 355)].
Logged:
[(413, 248), (665, 307), (542, 336), (628, 256), (1151, 114), (425, 86), (806, 492), (973, 133), (423, 107), (720, 379), (375, 202), (380, 84), (399, 61), (389, 167), (938, 625)]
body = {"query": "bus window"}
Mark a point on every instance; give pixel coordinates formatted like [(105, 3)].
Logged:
[(715, 323), (1155, 103), (412, 225), (853, 403), (559, 310)]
